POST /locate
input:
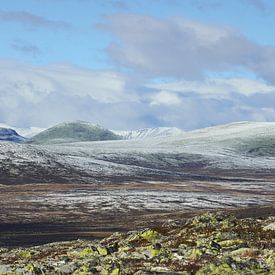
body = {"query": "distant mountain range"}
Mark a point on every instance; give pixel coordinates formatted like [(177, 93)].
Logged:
[(214, 152), (84, 131), (248, 137)]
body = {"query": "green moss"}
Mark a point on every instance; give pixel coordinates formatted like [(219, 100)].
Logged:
[(84, 270), (195, 254), (222, 269), (24, 254), (271, 261), (86, 252), (150, 251), (230, 243), (115, 271), (102, 251), (150, 235), (31, 268)]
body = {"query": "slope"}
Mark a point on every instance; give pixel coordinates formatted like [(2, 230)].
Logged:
[(73, 132)]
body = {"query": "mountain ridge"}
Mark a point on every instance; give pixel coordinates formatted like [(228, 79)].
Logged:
[(153, 132)]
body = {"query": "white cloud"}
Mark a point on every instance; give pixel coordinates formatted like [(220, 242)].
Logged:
[(218, 87), (34, 84), (184, 48), (44, 95), (165, 98)]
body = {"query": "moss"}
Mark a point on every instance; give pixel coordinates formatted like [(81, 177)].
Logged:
[(150, 251), (115, 271), (230, 243), (195, 254), (102, 251), (84, 270), (271, 261), (222, 269), (86, 252), (150, 235), (31, 268), (24, 254)]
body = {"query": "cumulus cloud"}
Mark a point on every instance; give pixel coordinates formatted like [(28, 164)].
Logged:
[(45, 95), (183, 48), (35, 21)]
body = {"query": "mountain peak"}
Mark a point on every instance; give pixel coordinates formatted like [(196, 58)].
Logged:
[(74, 131)]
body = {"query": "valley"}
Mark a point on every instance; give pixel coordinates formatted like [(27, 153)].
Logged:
[(65, 191)]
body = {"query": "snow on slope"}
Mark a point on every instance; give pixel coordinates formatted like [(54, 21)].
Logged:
[(238, 146), (240, 137), (7, 134), (27, 132), (149, 133)]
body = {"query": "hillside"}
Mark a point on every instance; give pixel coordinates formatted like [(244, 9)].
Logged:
[(157, 132), (241, 138), (26, 132), (73, 132), (197, 154), (7, 134)]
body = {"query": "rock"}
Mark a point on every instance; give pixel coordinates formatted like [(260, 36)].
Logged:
[(5, 269), (67, 268), (232, 244), (245, 252), (206, 244), (270, 226)]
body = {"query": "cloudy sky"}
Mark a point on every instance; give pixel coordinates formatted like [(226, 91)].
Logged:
[(128, 64)]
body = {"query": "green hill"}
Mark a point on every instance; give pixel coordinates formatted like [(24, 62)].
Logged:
[(73, 132)]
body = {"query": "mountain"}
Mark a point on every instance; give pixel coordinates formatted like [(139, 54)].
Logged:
[(27, 132), (73, 132), (211, 152), (149, 133), (224, 166), (7, 134), (241, 138)]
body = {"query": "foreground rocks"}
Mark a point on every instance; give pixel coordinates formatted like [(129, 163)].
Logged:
[(212, 243)]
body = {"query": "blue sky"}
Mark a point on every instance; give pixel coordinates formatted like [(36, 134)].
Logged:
[(130, 64)]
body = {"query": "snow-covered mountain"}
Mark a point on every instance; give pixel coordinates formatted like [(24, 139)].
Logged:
[(157, 132), (227, 149), (27, 132), (241, 138), (7, 134)]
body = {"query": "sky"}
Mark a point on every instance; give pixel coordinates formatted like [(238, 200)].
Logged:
[(130, 64)]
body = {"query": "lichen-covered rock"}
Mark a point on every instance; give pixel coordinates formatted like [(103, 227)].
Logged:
[(270, 226), (212, 243)]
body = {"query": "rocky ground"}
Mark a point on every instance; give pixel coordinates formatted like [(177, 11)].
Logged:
[(35, 214), (209, 243)]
